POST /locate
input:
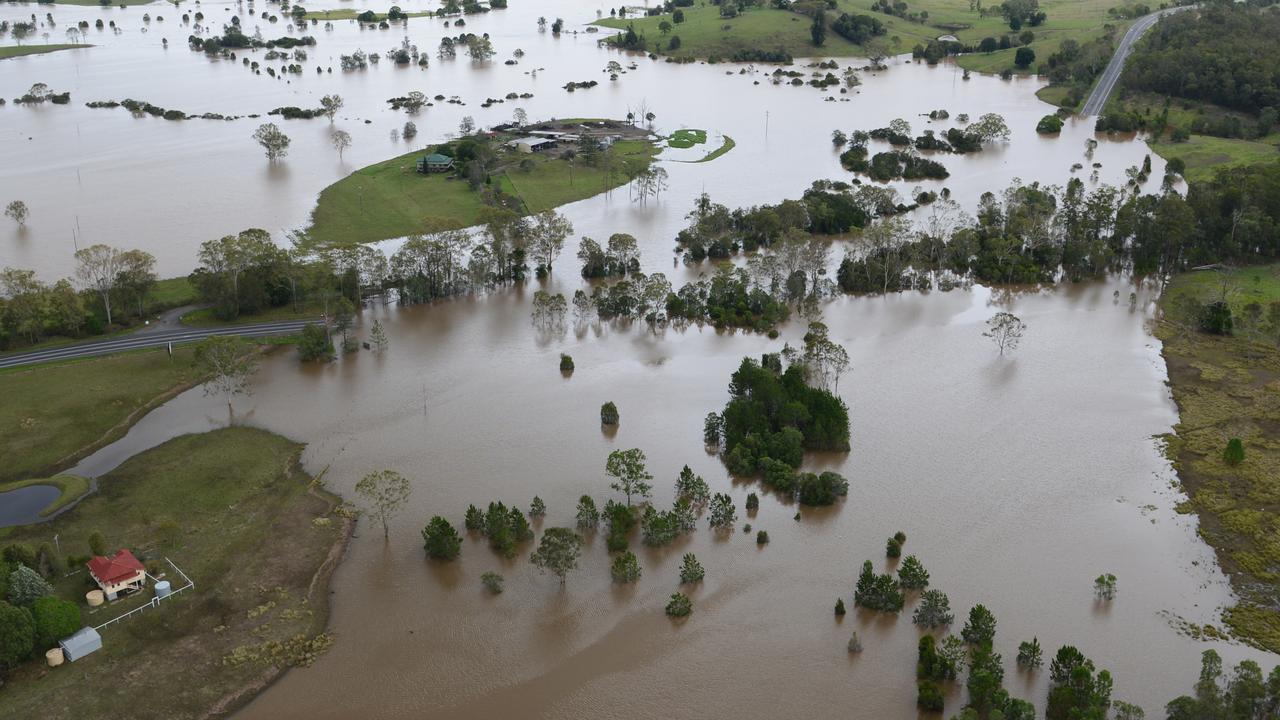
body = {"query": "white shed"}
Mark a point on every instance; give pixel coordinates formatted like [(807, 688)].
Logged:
[(83, 642)]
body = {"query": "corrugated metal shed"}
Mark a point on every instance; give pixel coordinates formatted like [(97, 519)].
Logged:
[(83, 642)]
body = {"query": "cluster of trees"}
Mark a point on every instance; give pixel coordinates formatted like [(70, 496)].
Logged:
[(858, 29), (1037, 234), (1223, 53), (773, 416), (506, 528), (905, 163), (1241, 695), (111, 288), (32, 620), (233, 37)]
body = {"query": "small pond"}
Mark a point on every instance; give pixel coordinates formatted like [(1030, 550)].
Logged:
[(23, 506)]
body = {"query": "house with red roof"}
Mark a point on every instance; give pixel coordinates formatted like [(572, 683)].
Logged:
[(119, 573)]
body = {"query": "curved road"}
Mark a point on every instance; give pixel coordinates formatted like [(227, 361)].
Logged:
[(1098, 98), (138, 341)]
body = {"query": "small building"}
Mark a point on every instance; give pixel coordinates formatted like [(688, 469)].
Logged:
[(120, 573), (84, 641), (532, 144), (435, 163)]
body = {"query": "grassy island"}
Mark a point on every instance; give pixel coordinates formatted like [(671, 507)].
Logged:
[(705, 33), (12, 51), (230, 508), (392, 198), (1226, 387)]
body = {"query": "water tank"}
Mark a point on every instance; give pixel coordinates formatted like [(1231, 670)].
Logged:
[(162, 589), (54, 657), (94, 598)]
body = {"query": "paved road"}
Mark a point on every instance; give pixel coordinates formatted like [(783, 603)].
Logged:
[(1098, 98), (137, 341)]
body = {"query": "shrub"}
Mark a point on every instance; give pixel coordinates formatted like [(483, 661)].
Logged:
[(17, 635), (679, 606), (625, 568), (929, 696), (26, 586), (492, 582), (1024, 57), (566, 363), (1049, 124), (840, 606), (608, 414), (1234, 454), (893, 548), (762, 538), (54, 619), (753, 502), (440, 540), (691, 570), (97, 545), (912, 575), (314, 343), (1215, 318)]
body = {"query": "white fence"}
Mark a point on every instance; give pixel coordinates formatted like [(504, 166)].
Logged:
[(155, 601)]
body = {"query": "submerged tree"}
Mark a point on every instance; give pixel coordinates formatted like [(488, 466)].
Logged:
[(341, 140), (691, 571), (630, 477), (227, 362), (273, 141), (1005, 330), (17, 211), (440, 540), (384, 493), (625, 568), (558, 552)]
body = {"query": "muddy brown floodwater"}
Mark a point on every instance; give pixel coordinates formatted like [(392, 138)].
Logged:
[(98, 175), (1017, 481)]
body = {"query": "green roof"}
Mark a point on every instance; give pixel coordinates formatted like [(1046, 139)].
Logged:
[(437, 159)]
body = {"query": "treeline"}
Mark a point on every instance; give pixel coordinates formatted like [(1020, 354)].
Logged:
[(1225, 53), (1037, 234), (111, 288)]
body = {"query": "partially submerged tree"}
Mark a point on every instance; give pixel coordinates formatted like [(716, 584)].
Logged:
[(630, 477), (384, 494), (228, 362), (99, 266), (341, 140), (558, 552), (330, 105), (273, 141), (1005, 330), (17, 211), (440, 540)]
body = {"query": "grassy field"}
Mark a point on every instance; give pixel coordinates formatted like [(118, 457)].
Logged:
[(391, 199), (55, 414), (70, 488), (205, 317), (234, 512), (726, 147), (95, 3), (1227, 387), (703, 32), (10, 51), (1205, 155)]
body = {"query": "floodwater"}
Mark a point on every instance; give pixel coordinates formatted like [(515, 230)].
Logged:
[(22, 506), (1017, 480), (102, 175)]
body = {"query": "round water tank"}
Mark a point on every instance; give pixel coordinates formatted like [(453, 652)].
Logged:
[(162, 589), (93, 597), (54, 657)]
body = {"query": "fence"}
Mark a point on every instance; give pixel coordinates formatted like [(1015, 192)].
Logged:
[(155, 601)]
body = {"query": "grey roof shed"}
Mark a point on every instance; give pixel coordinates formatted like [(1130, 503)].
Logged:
[(83, 642)]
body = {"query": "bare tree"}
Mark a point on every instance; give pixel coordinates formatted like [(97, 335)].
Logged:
[(341, 140), (228, 362), (98, 266), (1005, 330), (521, 117)]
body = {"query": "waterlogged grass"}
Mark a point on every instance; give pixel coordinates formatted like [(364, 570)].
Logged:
[(11, 51), (705, 34), (728, 145), (1205, 155), (687, 138), (70, 489), (1229, 387), (54, 414), (391, 199), (234, 512)]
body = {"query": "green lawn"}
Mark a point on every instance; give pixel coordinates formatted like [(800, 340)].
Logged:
[(10, 51), (687, 138), (728, 145), (391, 199), (1225, 387), (234, 512), (1205, 155), (54, 414), (703, 32), (70, 489), (171, 293), (204, 317)]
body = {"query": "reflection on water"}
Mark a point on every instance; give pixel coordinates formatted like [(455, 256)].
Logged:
[(22, 506), (96, 175), (1017, 481)]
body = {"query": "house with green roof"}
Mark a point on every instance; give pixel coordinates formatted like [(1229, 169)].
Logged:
[(434, 163)]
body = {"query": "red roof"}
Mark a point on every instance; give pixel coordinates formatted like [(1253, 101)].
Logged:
[(121, 566)]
